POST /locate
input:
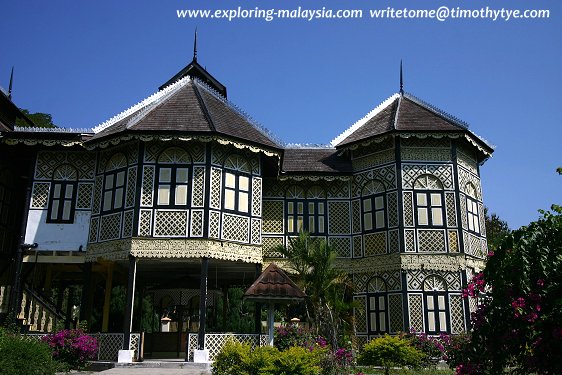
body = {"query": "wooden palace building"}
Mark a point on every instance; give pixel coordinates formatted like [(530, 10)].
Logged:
[(183, 196)]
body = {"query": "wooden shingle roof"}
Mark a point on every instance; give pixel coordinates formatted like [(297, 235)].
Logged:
[(273, 285), (314, 160)]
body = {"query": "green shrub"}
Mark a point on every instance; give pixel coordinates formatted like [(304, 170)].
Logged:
[(25, 356), (390, 351), (232, 359), (296, 361)]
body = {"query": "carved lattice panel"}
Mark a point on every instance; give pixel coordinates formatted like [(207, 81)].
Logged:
[(110, 227), (481, 216), (218, 154), (357, 246), (356, 216), (235, 228), (408, 209), (84, 196), (431, 240), (375, 243), (426, 154), (256, 231), (457, 314), (434, 283), (109, 345), (385, 174), (392, 279), (65, 172), (467, 160), (93, 232), (272, 216), (214, 224), (466, 179), (451, 209), (338, 218), (128, 217), (117, 161), (396, 320), (40, 195), (96, 200), (46, 163), (360, 312), (428, 142), (411, 172), (463, 212), (272, 188), (134, 343), (415, 279), (256, 196), (270, 246), (361, 341), (198, 189), (145, 223), (216, 185), (453, 241), (415, 307), (410, 240), (392, 209), (237, 163), (342, 246), (170, 223), (131, 187), (373, 160), (196, 228), (174, 155), (393, 241), (338, 189), (472, 305), (197, 151), (147, 186)]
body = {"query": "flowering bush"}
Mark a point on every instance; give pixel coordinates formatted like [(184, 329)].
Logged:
[(432, 347), (72, 348), (391, 351)]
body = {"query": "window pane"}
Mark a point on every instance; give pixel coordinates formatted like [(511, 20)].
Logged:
[(367, 205), (120, 179), (431, 318), (374, 322), (300, 208), (68, 192), (55, 210), (310, 208), (182, 175), (421, 199), (290, 208), (442, 322), (66, 210), (422, 216), (320, 224), (165, 175), (379, 216), (163, 195), (244, 183), (109, 181), (381, 303), (230, 180), (441, 302), (382, 321), (470, 221), (56, 191), (379, 203), (299, 223), (290, 224), (181, 195), (476, 224), (373, 303), (229, 199), (107, 200), (368, 221), (430, 304), (321, 208), (118, 198), (437, 216), (243, 202), (436, 199), (311, 227)]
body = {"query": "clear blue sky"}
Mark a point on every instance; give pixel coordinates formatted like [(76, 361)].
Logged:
[(85, 61)]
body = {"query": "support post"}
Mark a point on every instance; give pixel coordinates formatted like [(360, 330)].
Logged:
[(128, 318), (107, 299), (270, 322), (257, 305), (69, 305), (201, 354), (85, 312)]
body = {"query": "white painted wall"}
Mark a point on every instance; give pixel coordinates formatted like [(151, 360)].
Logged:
[(57, 237)]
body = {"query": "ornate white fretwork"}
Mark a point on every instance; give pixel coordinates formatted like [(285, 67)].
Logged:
[(453, 241), (431, 240), (395, 313), (110, 227), (128, 217), (375, 243), (174, 155), (443, 172), (170, 223), (131, 187), (415, 307), (469, 184), (451, 209), (196, 228), (271, 245), (117, 161), (145, 223), (198, 190), (360, 313), (256, 196), (235, 228), (385, 174), (373, 160), (338, 218), (272, 216), (47, 161), (256, 231), (147, 193), (457, 314), (342, 246), (216, 185), (40, 194), (84, 195), (391, 278), (357, 246), (214, 224), (408, 209)]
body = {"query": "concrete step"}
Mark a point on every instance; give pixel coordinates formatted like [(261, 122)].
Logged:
[(193, 368)]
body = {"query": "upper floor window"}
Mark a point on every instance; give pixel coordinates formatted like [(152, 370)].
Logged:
[(114, 183), (306, 212), (237, 184), (472, 209), (373, 206), (429, 203), (436, 312), (173, 177), (62, 200)]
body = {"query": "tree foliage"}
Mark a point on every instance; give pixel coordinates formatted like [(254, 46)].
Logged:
[(496, 229), (518, 324), (41, 120)]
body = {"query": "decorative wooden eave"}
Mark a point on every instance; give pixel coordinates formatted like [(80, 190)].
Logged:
[(274, 286)]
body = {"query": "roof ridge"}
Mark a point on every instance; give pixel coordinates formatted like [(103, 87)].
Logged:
[(204, 108), (309, 146), (266, 132), (37, 129), (375, 111), (436, 110), (140, 105)]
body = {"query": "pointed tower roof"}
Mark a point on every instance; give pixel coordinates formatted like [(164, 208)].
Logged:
[(273, 285)]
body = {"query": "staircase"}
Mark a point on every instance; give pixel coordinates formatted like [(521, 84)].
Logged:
[(37, 314)]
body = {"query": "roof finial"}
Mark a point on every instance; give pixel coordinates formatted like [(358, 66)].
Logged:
[(401, 79), (195, 47), (11, 82)]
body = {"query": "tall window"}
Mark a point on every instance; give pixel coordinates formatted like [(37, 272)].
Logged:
[(295, 209), (62, 199), (377, 306), (237, 185), (316, 210), (472, 209), (373, 206), (436, 316), (114, 183), (172, 177), (429, 203)]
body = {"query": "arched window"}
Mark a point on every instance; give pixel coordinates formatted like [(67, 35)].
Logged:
[(173, 178), (377, 306), (436, 306), (316, 210), (237, 183), (62, 200), (114, 183), (374, 206), (472, 208), (295, 201), (429, 201)]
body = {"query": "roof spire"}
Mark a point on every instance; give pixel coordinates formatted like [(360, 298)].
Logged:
[(195, 46), (401, 79), (11, 82)]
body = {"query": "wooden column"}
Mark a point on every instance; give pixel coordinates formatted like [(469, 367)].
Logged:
[(107, 299), (257, 306), (69, 305), (128, 318), (85, 311), (203, 303), (270, 322)]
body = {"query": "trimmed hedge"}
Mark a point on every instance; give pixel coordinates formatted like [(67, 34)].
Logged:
[(20, 355)]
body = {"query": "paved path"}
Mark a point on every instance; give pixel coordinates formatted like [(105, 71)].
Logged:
[(144, 371)]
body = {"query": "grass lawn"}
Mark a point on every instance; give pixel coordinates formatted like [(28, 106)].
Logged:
[(427, 371)]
